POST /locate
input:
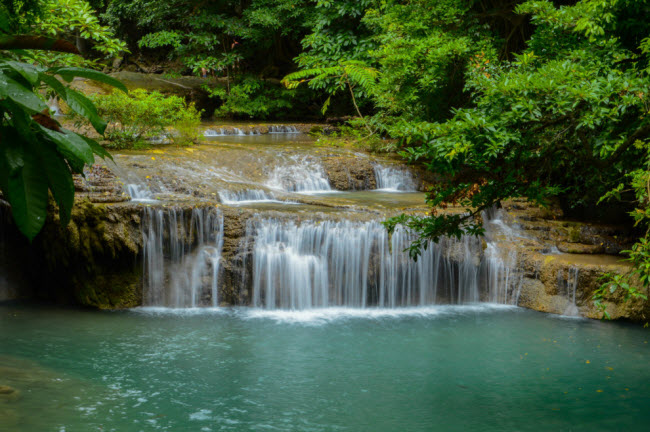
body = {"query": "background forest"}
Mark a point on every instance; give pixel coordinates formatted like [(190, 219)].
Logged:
[(545, 100)]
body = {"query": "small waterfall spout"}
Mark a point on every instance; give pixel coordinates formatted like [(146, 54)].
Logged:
[(394, 179), (182, 256), (571, 286), (287, 129), (53, 105), (139, 192), (355, 264), (501, 272), (247, 196), (300, 174), (230, 131)]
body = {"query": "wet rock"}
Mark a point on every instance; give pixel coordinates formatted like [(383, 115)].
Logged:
[(349, 173), (579, 248), (99, 185)]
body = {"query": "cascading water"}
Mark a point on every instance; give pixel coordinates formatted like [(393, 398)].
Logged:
[(571, 284), (283, 129), (54, 107), (139, 192), (247, 196), (301, 174), (500, 269), (230, 131), (182, 258), (356, 264), (394, 179)]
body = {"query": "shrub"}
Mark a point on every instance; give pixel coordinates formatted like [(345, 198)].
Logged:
[(140, 115)]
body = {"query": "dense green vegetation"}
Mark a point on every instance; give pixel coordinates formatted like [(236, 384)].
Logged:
[(132, 118), (546, 100)]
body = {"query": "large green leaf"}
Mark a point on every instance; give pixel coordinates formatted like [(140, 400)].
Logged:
[(26, 98), (83, 106), (27, 190), (71, 146), (55, 84), (68, 73), (27, 71), (96, 148), (59, 178)]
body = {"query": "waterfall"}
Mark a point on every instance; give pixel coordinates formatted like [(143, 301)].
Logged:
[(214, 132), (53, 105), (356, 264), (500, 262), (571, 285), (316, 264), (394, 179), (300, 174), (139, 192), (283, 129), (182, 257), (248, 196), (230, 131)]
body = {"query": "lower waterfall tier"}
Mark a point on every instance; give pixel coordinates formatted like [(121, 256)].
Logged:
[(314, 264)]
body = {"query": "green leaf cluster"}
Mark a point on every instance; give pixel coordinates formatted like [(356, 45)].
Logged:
[(37, 155)]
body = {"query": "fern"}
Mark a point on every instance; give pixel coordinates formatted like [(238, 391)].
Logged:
[(351, 74)]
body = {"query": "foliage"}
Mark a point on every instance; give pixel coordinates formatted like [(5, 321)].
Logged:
[(37, 155), (559, 120), (423, 50), (354, 75), (639, 254), (71, 20), (338, 34), (75, 19), (219, 36), (140, 115), (254, 98)]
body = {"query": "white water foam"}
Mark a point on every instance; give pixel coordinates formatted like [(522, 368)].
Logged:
[(139, 193)]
